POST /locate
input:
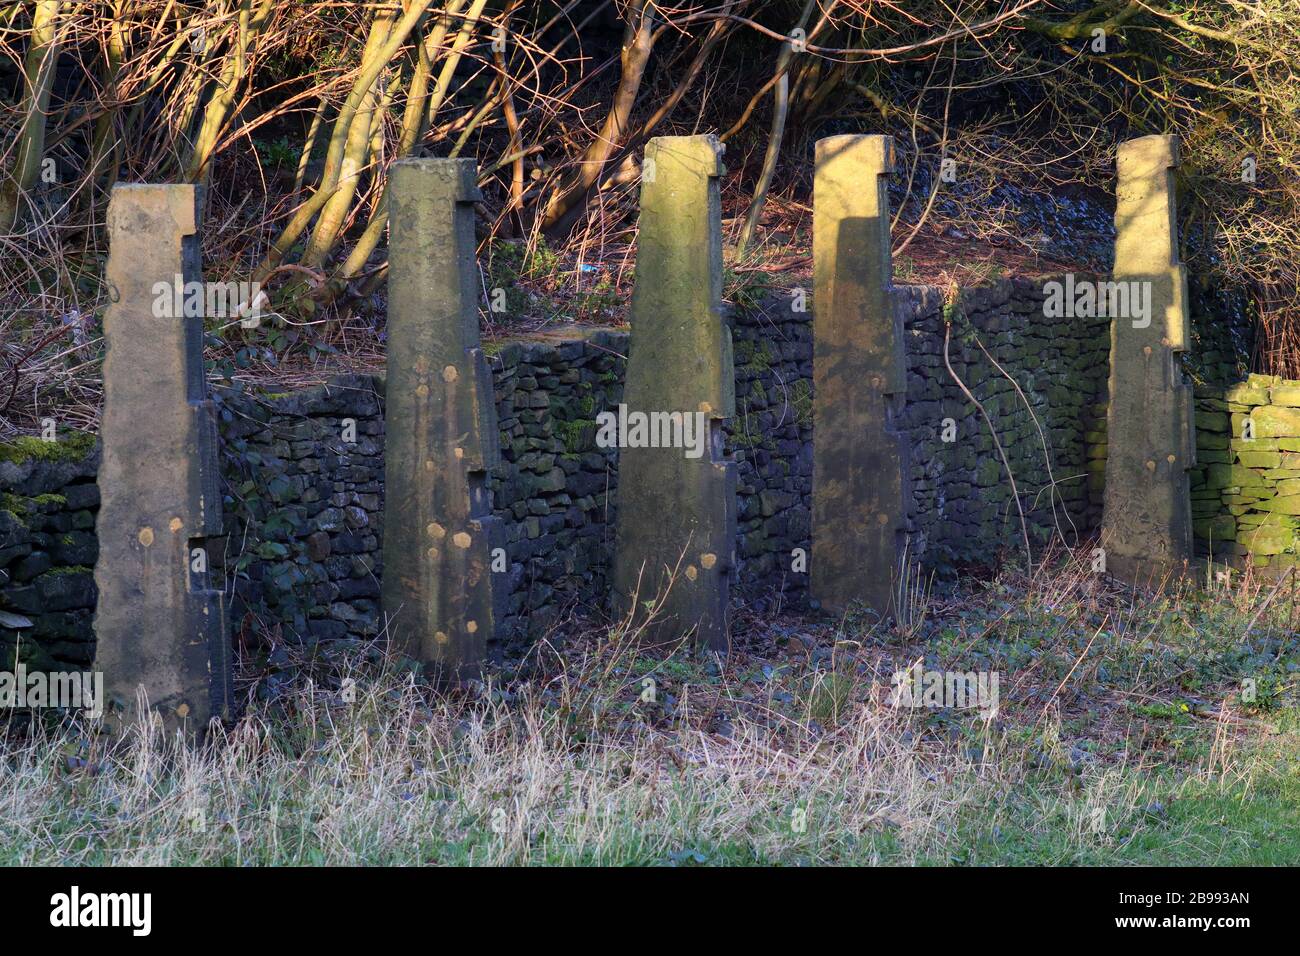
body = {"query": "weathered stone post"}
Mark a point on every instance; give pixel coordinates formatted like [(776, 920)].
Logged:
[(860, 494), (1147, 521), (159, 624), (441, 426), (677, 506)]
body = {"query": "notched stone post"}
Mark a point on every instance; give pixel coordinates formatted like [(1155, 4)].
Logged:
[(441, 427), (860, 495), (1147, 521), (160, 626), (677, 514)]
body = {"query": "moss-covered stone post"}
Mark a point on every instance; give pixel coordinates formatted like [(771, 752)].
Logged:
[(860, 496), (160, 625), (1147, 520), (440, 422), (677, 505)]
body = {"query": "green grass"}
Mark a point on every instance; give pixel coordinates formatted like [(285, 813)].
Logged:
[(1160, 822)]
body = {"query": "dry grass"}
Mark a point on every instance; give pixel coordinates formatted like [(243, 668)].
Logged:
[(788, 752), (397, 777)]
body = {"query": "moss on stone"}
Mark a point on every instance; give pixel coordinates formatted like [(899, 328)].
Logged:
[(20, 505), (1217, 528), (1268, 539), (987, 473), (1287, 394), (744, 433), (748, 352), (70, 446), (570, 432), (801, 401)]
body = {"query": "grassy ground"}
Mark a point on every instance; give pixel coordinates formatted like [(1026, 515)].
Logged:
[(1122, 736)]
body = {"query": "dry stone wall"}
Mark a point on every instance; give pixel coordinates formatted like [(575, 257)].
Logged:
[(554, 490), (1244, 489), (48, 501), (770, 439), (1246, 486), (303, 497), (305, 507), (963, 509), (303, 490), (302, 474)]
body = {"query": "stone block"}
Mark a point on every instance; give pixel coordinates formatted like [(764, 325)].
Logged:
[(1276, 422), (440, 426), (860, 495), (677, 514), (160, 624), (1146, 524)]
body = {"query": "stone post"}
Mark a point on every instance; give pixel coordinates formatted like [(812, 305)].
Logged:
[(1147, 521), (440, 422), (160, 626), (860, 495), (677, 506)]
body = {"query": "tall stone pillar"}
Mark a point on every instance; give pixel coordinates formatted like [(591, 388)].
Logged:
[(440, 423), (160, 626), (677, 506), (1147, 521), (860, 494)]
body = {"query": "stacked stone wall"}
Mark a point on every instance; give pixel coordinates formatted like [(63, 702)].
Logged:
[(555, 489), (963, 508), (48, 501), (303, 474), (771, 440), (303, 501), (1246, 486)]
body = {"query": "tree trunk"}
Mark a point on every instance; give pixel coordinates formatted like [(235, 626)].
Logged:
[(38, 69)]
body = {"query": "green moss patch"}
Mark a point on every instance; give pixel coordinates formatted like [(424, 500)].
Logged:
[(70, 446)]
